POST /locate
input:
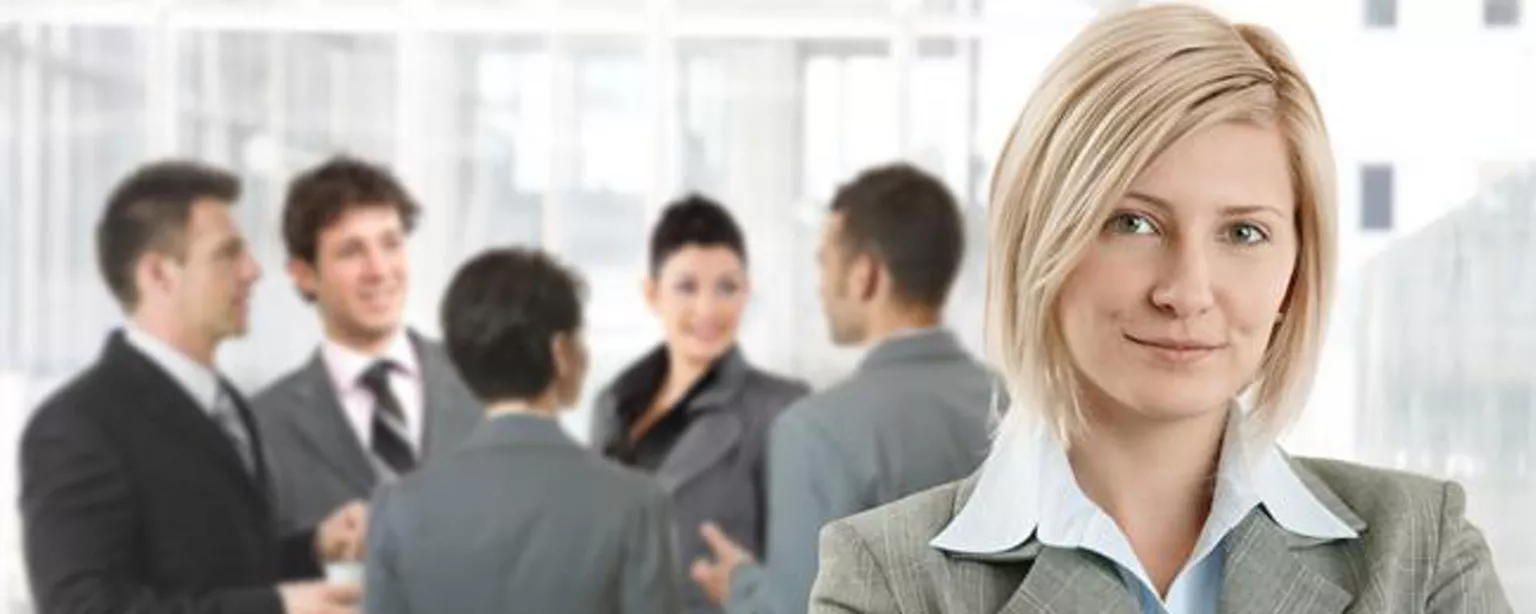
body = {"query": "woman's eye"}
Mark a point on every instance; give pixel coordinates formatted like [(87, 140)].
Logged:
[(1131, 224), (1246, 234)]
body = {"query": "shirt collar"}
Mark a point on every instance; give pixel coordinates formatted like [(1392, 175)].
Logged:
[(200, 382), (1026, 488), (907, 333), (346, 365)]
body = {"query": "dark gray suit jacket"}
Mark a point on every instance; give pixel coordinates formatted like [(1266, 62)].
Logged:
[(915, 414), (716, 470), (1416, 553), (317, 462), (522, 519)]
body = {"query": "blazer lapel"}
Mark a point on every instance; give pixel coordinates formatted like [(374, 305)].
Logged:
[(322, 425), (169, 402), (1062, 581), (715, 430), (711, 436), (1263, 573), (1057, 581)]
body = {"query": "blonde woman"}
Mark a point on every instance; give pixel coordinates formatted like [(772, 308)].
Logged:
[(1162, 246)]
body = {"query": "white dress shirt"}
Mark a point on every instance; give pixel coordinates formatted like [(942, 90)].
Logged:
[(1027, 489), (200, 382), (346, 367)]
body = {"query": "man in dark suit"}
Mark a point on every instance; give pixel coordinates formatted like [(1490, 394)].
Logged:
[(143, 484), (916, 413), (376, 400)]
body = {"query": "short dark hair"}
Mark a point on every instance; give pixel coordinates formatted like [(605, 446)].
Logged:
[(694, 220), (319, 196), (501, 311), (148, 211), (908, 220)]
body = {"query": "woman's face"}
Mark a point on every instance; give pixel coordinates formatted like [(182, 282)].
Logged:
[(1169, 314), (699, 294)]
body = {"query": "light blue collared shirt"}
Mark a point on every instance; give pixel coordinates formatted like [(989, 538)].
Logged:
[(1027, 489)]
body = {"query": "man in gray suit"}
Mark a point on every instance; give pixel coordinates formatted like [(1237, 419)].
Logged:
[(914, 415), (521, 518), (376, 399)]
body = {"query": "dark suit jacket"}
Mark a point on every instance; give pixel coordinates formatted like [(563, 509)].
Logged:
[(133, 500), (317, 462), (716, 470)]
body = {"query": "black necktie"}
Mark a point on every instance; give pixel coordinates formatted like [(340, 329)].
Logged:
[(389, 442)]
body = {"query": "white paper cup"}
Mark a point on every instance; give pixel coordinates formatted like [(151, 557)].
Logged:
[(344, 572)]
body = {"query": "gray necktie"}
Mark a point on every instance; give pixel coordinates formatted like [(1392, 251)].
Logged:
[(227, 416), (389, 440)]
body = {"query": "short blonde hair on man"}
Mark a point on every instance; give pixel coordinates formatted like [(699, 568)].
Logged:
[(1129, 86)]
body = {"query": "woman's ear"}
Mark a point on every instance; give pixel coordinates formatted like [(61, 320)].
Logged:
[(649, 288)]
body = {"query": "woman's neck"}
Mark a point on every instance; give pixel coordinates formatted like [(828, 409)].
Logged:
[(1155, 478), (682, 374)]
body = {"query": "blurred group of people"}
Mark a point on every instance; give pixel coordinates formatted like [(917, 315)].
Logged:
[(150, 480), (1160, 250)]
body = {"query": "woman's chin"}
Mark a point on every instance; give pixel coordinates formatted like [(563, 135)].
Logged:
[(704, 351), (1170, 404)]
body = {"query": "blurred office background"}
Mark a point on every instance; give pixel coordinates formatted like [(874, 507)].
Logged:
[(568, 123)]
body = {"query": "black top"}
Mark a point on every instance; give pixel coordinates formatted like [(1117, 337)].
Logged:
[(635, 394), (133, 500)]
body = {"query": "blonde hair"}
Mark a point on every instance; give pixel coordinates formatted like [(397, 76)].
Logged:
[(1129, 86)]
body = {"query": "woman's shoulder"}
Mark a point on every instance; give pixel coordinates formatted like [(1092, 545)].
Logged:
[(1380, 495), (776, 391), (1419, 525)]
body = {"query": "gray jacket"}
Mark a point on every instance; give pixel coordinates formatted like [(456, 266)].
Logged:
[(316, 460), (522, 519), (715, 472), (1416, 553), (916, 414)]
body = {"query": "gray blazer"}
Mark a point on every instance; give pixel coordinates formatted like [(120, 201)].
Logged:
[(914, 415), (316, 460), (522, 519), (1416, 553), (716, 470)]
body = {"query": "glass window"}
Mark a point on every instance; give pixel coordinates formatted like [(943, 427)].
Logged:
[(788, 8), (1444, 343), (497, 164), (850, 113), (601, 202)]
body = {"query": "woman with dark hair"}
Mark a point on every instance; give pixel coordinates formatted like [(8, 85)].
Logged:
[(693, 411)]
